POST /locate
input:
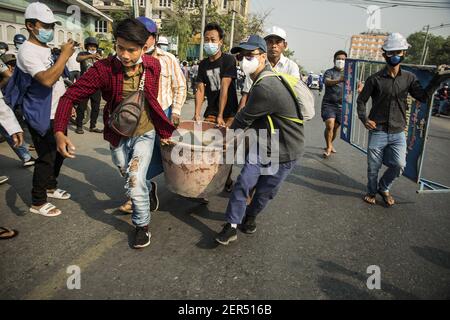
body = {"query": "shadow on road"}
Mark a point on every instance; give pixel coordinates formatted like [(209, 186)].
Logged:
[(438, 257), (337, 289)]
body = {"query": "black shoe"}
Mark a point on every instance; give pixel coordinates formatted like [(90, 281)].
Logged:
[(142, 237), (227, 235), (154, 201), (79, 130), (96, 130), (249, 224)]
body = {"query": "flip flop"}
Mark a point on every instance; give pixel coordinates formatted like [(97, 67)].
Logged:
[(6, 233), (332, 150), (45, 210), (59, 194), (387, 198)]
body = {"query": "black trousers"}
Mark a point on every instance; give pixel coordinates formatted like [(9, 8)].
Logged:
[(47, 166), (95, 109)]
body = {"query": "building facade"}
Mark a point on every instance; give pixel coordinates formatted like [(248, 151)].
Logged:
[(367, 46)]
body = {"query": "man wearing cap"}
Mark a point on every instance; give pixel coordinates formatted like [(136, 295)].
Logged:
[(276, 45), (171, 96), (386, 122), (37, 85), (270, 106)]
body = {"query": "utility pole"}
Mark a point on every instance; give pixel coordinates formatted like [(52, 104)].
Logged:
[(149, 8), (202, 42), (136, 8), (425, 56), (232, 24), (422, 60)]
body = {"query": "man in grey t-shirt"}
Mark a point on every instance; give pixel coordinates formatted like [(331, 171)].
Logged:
[(332, 101)]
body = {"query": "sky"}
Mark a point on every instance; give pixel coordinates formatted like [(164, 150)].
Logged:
[(334, 23)]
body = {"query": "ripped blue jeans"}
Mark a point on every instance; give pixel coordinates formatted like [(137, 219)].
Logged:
[(132, 157)]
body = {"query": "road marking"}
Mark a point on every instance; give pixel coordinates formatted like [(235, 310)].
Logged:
[(51, 286)]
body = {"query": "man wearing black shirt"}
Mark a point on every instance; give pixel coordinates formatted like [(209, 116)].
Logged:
[(87, 59), (386, 122), (216, 79)]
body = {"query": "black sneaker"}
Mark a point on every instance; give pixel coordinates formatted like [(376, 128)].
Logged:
[(227, 235), (154, 201), (79, 130), (142, 237), (249, 224)]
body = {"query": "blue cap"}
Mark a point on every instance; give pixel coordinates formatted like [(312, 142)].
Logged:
[(149, 24), (251, 43)]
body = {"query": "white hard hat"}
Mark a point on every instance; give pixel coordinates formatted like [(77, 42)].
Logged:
[(276, 31), (41, 12), (163, 40), (395, 41), (311, 72)]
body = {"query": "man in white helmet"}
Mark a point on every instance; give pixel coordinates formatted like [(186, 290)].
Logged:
[(276, 46), (163, 43), (386, 122)]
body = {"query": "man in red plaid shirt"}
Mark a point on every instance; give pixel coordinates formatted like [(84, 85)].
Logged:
[(118, 77)]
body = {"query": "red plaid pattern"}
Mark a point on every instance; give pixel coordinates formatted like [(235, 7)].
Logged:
[(107, 75)]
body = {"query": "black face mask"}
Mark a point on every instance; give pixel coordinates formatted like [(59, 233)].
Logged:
[(394, 60)]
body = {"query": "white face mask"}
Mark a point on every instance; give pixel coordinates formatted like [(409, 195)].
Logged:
[(2, 52), (92, 51), (249, 66), (340, 64), (150, 50), (134, 64)]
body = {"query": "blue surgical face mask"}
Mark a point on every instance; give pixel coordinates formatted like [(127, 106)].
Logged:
[(211, 48), (394, 60), (45, 35), (164, 47)]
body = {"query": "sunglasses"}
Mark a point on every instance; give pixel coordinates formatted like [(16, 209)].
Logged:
[(248, 56)]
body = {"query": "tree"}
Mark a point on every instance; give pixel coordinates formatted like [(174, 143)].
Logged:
[(438, 52), (178, 24)]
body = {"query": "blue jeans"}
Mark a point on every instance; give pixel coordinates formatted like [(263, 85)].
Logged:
[(132, 157), (387, 149), (443, 106), (266, 186), (156, 166), (21, 151)]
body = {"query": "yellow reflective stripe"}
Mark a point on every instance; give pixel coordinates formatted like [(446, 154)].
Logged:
[(297, 120), (272, 127)]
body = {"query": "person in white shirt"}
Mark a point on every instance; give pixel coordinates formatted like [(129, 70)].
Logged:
[(276, 45), (41, 88), (73, 66)]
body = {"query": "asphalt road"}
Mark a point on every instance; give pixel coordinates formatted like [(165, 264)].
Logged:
[(315, 240)]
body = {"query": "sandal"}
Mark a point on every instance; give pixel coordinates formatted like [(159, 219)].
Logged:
[(46, 210), (58, 194), (326, 155), (370, 199), (6, 233), (387, 198), (127, 207), (332, 150)]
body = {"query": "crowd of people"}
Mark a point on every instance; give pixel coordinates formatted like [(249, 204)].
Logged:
[(143, 70)]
